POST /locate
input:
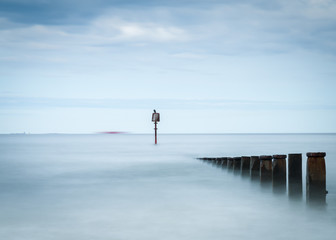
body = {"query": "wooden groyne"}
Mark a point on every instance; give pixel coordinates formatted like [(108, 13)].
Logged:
[(272, 170)]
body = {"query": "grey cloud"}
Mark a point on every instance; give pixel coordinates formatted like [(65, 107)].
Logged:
[(80, 11), (211, 27)]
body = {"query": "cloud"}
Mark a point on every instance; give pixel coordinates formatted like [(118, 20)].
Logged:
[(229, 28), (121, 30), (100, 32), (292, 26)]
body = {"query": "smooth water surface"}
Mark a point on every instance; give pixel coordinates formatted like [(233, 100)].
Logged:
[(124, 187)]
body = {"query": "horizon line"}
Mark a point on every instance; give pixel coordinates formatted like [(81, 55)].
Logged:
[(130, 133)]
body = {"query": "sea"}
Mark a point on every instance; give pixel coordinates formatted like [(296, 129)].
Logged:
[(124, 187)]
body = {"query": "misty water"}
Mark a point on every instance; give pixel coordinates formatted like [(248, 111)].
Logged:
[(125, 187)]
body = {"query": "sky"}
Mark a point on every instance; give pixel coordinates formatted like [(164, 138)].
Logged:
[(229, 66)]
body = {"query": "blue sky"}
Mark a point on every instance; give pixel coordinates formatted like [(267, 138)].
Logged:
[(206, 66)]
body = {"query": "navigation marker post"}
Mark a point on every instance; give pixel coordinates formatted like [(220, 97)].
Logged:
[(155, 119)]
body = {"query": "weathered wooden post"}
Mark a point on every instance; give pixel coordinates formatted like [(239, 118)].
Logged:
[(219, 161), (229, 163), (316, 178), (208, 160), (255, 167), (295, 175), (279, 173), (224, 161), (265, 169), (236, 164), (245, 166), (213, 161)]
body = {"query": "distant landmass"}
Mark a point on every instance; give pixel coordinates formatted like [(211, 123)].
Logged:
[(113, 132)]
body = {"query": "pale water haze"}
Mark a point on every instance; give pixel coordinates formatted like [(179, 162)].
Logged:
[(124, 187)]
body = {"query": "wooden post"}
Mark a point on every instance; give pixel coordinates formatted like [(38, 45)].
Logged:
[(255, 167), (279, 173), (295, 176), (213, 161), (230, 163), (219, 162), (316, 178), (155, 128), (245, 166), (265, 169), (236, 165), (208, 160), (224, 161)]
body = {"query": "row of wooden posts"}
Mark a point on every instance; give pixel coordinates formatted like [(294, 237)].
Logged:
[(272, 169)]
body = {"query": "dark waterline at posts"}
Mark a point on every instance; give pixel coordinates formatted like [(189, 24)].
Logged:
[(271, 171)]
